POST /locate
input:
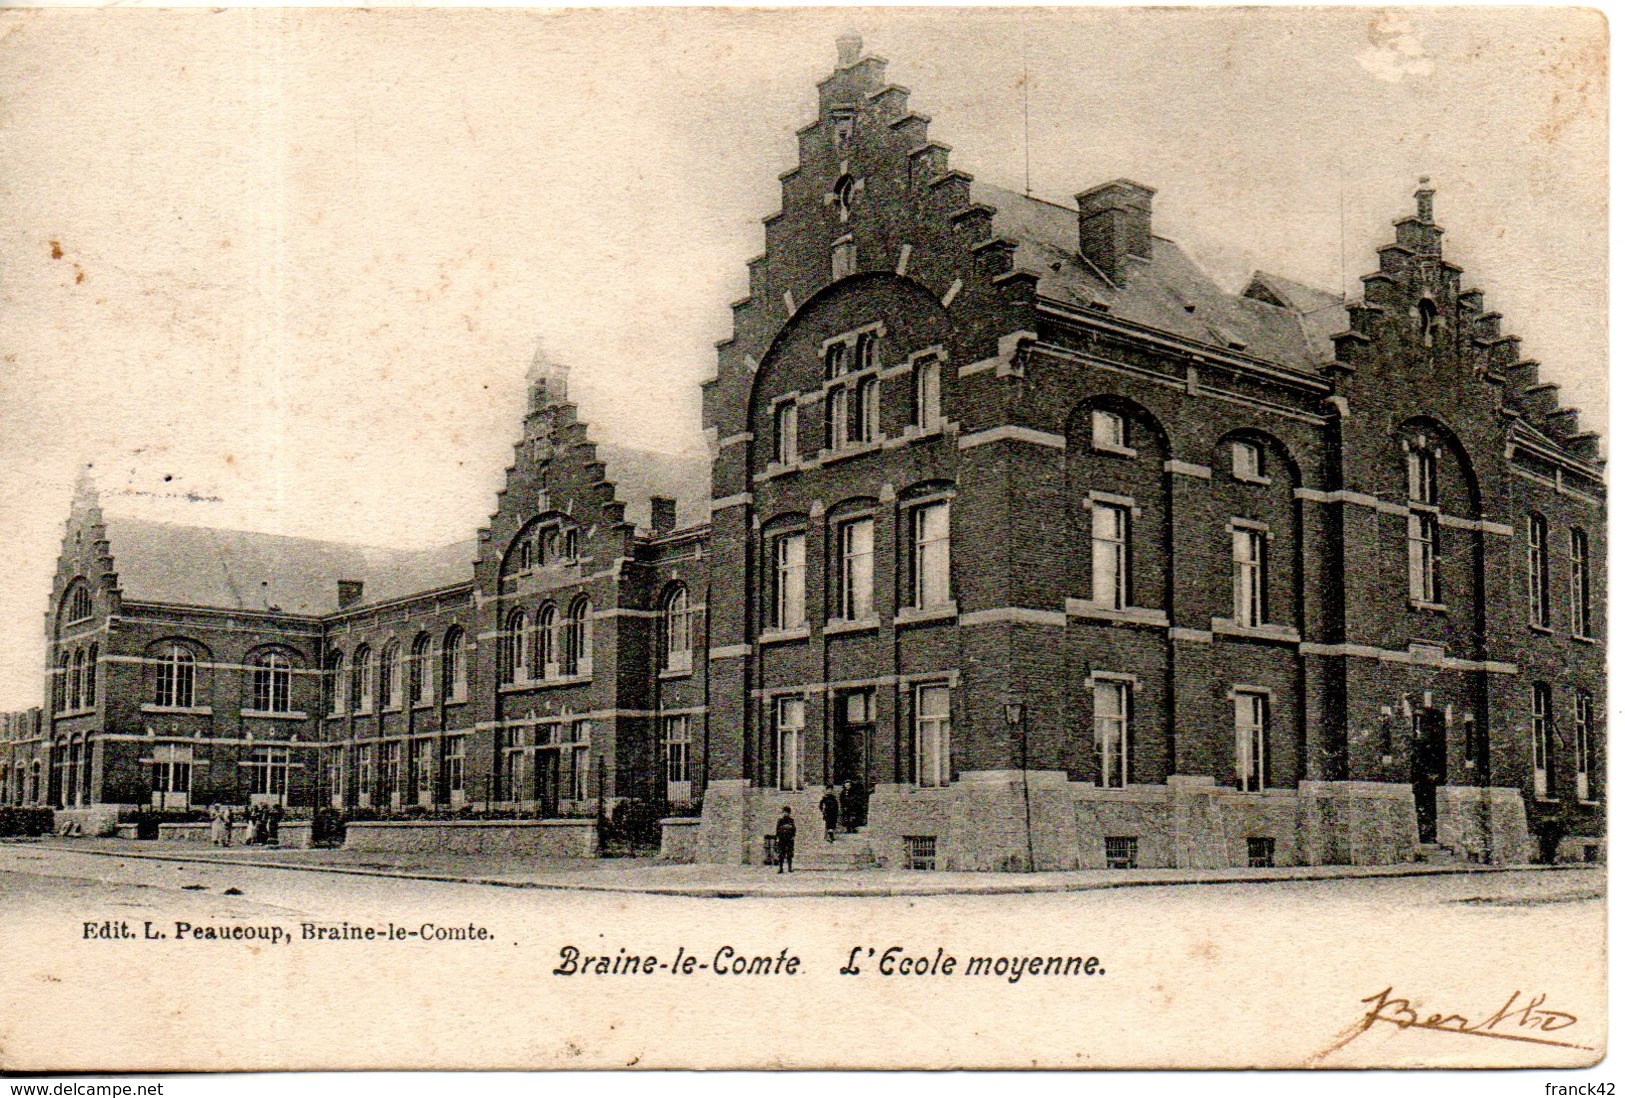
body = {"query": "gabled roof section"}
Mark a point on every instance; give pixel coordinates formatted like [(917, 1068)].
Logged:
[(245, 570), (1170, 292)]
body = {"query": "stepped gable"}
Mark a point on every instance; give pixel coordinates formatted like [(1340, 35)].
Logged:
[(871, 196), (556, 470), (1417, 325)]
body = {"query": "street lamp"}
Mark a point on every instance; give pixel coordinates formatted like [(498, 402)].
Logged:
[(1015, 715)]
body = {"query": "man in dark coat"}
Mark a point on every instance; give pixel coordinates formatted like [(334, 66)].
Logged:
[(785, 834), (830, 809)]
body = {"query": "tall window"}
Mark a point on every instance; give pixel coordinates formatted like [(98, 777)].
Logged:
[(76, 680), (789, 581), (786, 447), (577, 646), (790, 725), (570, 546), (1585, 758), (676, 631), (268, 769), (365, 778), (394, 773), (456, 768), (513, 764), (931, 555), (421, 669), (335, 776), (423, 770), (1422, 475), (333, 684), (1540, 590), (1422, 523), (927, 393), (580, 760), (361, 681), (453, 666), (855, 579), (1108, 430), (679, 784), (868, 351), (1111, 731), (273, 683), (1109, 532), (1252, 740), (835, 424), (546, 656), (1579, 583), (513, 656), (836, 360), (177, 678), (1540, 735), (92, 658), (931, 735), (389, 675), (1247, 554), (868, 419)]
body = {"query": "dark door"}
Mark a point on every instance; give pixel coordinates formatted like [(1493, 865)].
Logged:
[(1427, 771), (854, 729)]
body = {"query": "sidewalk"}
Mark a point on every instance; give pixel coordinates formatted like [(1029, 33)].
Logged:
[(729, 881)]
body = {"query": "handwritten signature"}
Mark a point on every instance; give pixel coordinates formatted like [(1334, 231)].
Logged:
[(1520, 1018)]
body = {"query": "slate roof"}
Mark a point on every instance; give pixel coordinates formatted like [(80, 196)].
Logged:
[(1171, 293), (244, 570)]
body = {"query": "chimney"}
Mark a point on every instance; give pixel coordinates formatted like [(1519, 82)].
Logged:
[(662, 514), (1114, 225), (848, 48), (349, 593), (1424, 202)]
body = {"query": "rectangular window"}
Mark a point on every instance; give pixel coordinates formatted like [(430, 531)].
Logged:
[(835, 425), (931, 728), (855, 581), (268, 769), (843, 259), (172, 776), (920, 852), (928, 394), (335, 777), (790, 722), (790, 581), (1108, 431), (1252, 741), (679, 784), (1423, 540), (786, 447), (1584, 751), (581, 761), (1540, 736), (1260, 853), (1422, 476), (1109, 524), (423, 771), (394, 774), (868, 419), (1540, 603), (1579, 583), (1247, 548), (1111, 731), (1246, 461), (364, 777), (931, 556), (456, 768)]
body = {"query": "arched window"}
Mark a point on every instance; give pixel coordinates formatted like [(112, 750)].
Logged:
[(80, 605), (1541, 736), (513, 648), (576, 644), (677, 633), (91, 660), (547, 647), (361, 681), (868, 351), (421, 669), (389, 676), (272, 678), (453, 666), (1427, 321), (333, 684), (927, 393), (59, 684), (177, 678)]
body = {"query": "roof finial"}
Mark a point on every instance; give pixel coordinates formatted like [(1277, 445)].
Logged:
[(549, 382)]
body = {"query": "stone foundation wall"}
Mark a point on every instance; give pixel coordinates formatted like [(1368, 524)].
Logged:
[(520, 838), (679, 839), (1485, 824)]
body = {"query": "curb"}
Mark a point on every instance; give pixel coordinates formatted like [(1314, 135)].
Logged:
[(750, 891)]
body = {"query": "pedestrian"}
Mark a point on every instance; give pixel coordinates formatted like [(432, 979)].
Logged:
[(273, 821), (227, 822), (785, 833), (849, 806), (830, 808)]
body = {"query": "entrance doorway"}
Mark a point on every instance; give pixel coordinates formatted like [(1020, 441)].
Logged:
[(854, 733), (547, 782), (1427, 770)]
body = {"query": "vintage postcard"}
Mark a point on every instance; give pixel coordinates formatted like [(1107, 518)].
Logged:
[(802, 538)]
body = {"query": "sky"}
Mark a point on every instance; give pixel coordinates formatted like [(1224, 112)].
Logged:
[(286, 270)]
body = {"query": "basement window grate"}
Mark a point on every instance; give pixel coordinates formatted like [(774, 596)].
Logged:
[(1122, 852), (1260, 853), (920, 851)]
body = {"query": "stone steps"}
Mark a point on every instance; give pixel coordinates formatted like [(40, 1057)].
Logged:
[(848, 851), (1434, 854)]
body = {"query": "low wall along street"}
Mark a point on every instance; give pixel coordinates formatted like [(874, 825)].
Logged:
[(539, 838)]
